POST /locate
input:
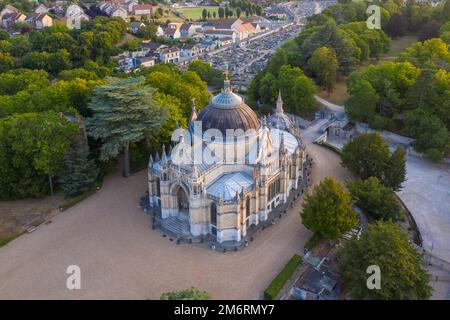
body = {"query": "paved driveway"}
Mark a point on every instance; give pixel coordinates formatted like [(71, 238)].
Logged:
[(109, 238)]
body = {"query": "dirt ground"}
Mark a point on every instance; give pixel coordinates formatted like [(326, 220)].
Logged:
[(339, 94), (17, 216), (120, 257)]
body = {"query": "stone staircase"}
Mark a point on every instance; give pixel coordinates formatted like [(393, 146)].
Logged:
[(177, 226)]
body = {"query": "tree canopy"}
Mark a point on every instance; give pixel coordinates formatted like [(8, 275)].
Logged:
[(124, 111), (368, 155), (375, 199), (328, 210), (387, 246)]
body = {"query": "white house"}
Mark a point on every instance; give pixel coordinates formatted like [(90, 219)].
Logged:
[(169, 55), (172, 33), (119, 12), (146, 62)]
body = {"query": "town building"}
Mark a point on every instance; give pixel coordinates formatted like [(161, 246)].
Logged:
[(224, 201), (220, 34), (41, 9), (172, 32), (9, 19), (74, 16), (40, 21), (146, 62), (142, 9), (190, 50), (135, 26), (169, 55)]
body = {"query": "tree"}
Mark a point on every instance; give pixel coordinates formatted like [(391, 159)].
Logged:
[(396, 169), (6, 62), (445, 13), (429, 30), (221, 13), (124, 112), (396, 27), (323, 64), (80, 172), (361, 104), (147, 32), (432, 137), (188, 294), (238, 12), (297, 90), (368, 155), (387, 246), (183, 85), (207, 73), (347, 52), (375, 199), (444, 32), (4, 35), (328, 210), (31, 153), (204, 14)]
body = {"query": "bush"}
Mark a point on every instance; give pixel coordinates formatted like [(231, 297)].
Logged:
[(277, 284)]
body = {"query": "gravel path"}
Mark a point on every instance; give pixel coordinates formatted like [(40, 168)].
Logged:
[(120, 257)]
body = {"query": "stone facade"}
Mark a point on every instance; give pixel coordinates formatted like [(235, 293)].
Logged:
[(224, 200)]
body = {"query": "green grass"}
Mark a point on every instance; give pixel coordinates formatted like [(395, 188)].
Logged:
[(196, 13), (312, 241), (400, 44), (280, 280), (5, 241)]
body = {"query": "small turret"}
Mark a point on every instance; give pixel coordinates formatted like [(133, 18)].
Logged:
[(193, 115), (279, 108), (164, 156)]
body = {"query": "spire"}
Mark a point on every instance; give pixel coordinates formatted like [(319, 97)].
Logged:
[(279, 103), (157, 156), (163, 156), (193, 116), (150, 160), (282, 146), (170, 150), (226, 82)]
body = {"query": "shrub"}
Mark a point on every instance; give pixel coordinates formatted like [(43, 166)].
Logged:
[(277, 284)]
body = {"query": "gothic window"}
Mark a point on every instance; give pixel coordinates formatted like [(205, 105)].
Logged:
[(274, 189), (247, 211), (158, 187), (213, 214)]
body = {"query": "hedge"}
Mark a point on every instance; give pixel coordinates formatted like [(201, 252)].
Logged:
[(278, 283)]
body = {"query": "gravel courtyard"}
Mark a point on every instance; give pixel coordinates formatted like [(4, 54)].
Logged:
[(120, 257)]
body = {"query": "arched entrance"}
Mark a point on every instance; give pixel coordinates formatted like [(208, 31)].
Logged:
[(182, 202)]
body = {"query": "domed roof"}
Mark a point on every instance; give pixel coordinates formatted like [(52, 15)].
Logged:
[(228, 111), (279, 119)]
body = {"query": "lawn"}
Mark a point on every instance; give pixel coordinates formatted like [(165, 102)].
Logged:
[(400, 45), (196, 13), (339, 94)]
